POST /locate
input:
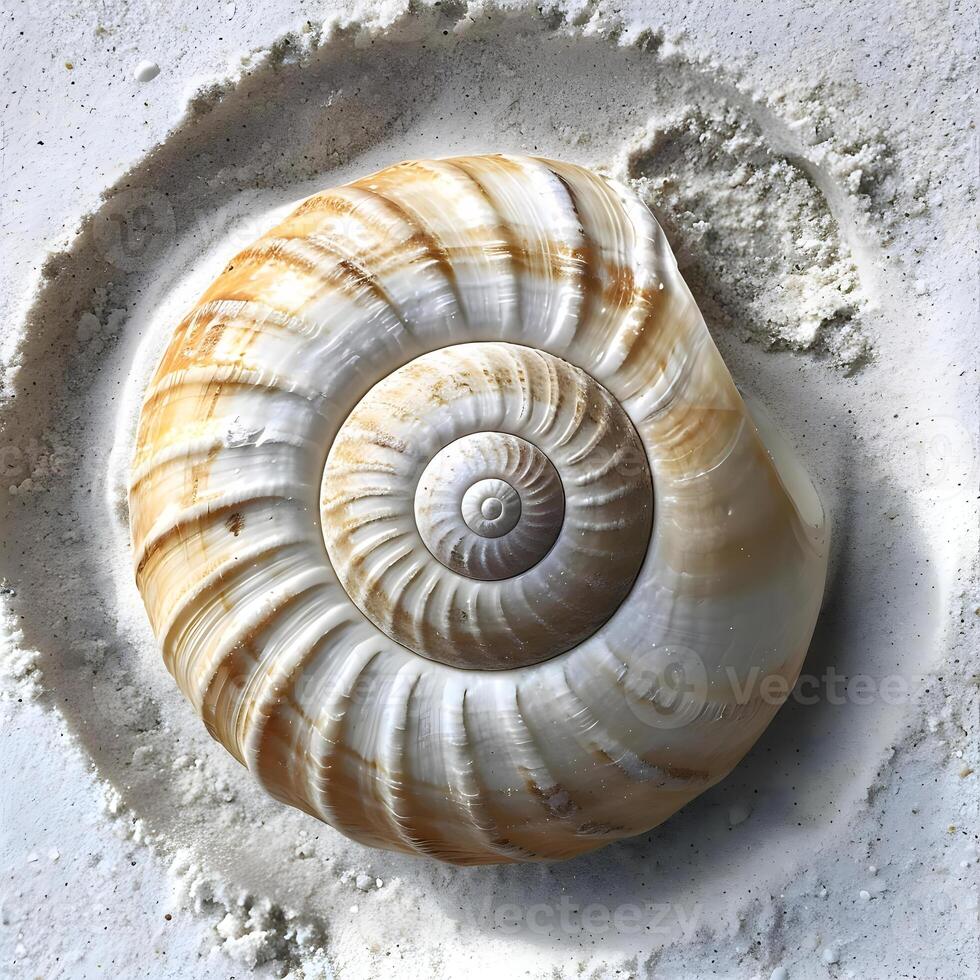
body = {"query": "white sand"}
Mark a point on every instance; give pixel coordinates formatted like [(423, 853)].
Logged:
[(815, 175)]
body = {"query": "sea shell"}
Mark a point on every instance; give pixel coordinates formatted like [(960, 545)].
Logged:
[(452, 525)]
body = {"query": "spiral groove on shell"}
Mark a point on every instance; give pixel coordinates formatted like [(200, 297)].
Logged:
[(436, 489), (398, 486)]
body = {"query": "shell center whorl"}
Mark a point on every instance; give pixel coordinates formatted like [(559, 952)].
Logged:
[(487, 505), (491, 508)]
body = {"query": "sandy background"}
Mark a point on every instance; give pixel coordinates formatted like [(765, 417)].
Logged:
[(815, 168)]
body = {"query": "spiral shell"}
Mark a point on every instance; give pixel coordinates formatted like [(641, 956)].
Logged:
[(452, 525)]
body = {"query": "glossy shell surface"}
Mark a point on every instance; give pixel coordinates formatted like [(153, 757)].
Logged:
[(452, 525)]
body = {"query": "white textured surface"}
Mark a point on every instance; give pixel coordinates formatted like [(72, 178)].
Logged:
[(852, 828)]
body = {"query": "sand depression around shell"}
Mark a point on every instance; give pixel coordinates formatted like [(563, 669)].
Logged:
[(770, 220)]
